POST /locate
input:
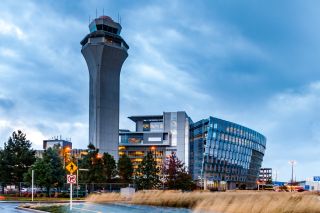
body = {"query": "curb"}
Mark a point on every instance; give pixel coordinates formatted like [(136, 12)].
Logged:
[(30, 210), (43, 201)]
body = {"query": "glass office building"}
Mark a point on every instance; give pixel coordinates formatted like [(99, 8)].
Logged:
[(225, 155), (160, 134)]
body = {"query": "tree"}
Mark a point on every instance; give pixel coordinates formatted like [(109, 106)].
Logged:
[(147, 173), (16, 158), (4, 176), (176, 175), (94, 163), (125, 169), (48, 170), (110, 167)]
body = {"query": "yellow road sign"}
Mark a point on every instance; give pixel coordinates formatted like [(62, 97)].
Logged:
[(71, 167)]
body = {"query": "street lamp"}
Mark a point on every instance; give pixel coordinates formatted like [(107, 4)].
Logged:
[(292, 163), (276, 173), (153, 149), (66, 151)]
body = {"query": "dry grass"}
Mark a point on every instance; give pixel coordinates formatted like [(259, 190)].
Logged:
[(105, 198), (226, 202)]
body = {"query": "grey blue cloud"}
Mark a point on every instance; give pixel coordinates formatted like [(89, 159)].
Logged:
[(255, 63)]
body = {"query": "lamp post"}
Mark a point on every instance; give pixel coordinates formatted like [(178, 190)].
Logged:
[(154, 152), (292, 163), (276, 175), (65, 153), (32, 182)]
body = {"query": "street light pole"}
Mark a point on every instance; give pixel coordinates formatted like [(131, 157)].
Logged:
[(292, 163), (32, 181)]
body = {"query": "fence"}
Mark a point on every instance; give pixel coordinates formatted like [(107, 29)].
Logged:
[(23, 189)]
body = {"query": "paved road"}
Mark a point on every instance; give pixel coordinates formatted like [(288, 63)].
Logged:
[(9, 207), (124, 208), (101, 208)]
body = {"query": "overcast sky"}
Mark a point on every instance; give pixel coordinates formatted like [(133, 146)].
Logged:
[(255, 63)]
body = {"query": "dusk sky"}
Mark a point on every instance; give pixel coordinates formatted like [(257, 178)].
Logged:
[(255, 63)]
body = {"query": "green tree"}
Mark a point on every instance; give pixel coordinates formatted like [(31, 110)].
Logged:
[(110, 167), (48, 170), (94, 163), (4, 176), (16, 157), (125, 169), (147, 173), (176, 175)]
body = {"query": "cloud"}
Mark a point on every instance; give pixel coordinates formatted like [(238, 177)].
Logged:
[(11, 30), (41, 71), (291, 122), (234, 61), (10, 53)]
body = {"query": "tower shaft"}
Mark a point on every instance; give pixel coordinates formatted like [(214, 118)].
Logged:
[(104, 53)]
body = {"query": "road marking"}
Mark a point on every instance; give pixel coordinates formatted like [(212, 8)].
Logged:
[(86, 210)]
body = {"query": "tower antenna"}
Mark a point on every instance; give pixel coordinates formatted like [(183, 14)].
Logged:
[(89, 20), (96, 13)]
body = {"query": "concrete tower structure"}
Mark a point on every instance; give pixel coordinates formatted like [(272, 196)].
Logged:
[(104, 51)]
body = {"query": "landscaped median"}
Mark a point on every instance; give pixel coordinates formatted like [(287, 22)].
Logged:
[(56, 208), (224, 202)]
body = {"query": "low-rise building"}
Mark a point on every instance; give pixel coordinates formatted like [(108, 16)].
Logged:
[(160, 134), (265, 175), (218, 153)]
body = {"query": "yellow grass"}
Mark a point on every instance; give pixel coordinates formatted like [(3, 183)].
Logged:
[(105, 198), (226, 202)]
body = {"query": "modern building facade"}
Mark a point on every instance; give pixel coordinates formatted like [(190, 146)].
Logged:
[(56, 141), (225, 155), (265, 175), (65, 147), (105, 52), (160, 134)]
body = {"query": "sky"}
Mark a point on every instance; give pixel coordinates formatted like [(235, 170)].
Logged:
[(255, 63)]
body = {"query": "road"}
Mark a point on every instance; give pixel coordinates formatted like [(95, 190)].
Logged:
[(100, 208), (9, 207)]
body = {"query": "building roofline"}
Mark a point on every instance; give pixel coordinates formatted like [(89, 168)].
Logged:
[(136, 118)]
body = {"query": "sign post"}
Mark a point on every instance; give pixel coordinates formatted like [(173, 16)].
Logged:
[(72, 179), (70, 196)]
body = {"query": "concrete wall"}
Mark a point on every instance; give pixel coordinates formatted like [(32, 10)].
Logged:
[(177, 124)]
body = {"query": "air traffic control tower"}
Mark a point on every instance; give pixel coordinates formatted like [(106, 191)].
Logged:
[(104, 51)]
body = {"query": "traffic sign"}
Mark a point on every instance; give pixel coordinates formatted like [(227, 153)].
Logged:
[(71, 167), (316, 178), (72, 179)]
